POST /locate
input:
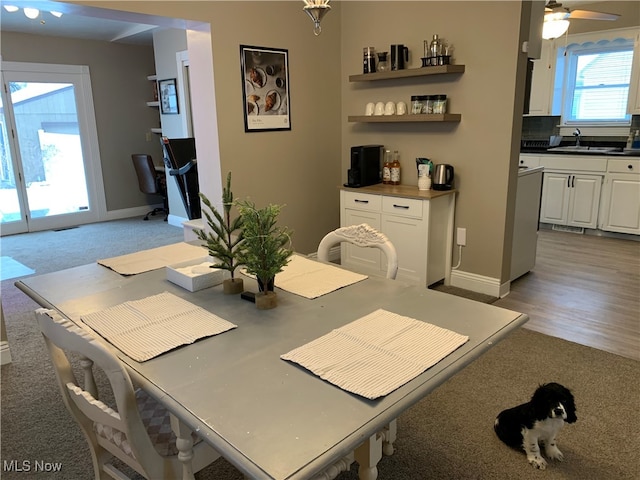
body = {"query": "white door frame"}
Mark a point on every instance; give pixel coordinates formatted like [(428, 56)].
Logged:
[(80, 77)]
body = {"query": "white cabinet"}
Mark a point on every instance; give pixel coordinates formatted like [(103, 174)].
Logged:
[(542, 81), (529, 161), (571, 199), (421, 229), (571, 189), (620, 211)]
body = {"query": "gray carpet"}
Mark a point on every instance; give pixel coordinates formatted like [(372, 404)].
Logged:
[(447, 435)]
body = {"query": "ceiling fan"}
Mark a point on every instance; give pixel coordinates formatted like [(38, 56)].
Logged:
[(556, 18)]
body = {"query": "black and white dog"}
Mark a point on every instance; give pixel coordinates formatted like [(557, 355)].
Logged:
[(536, 423)]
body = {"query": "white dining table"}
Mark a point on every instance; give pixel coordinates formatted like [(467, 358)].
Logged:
[(271, 418)]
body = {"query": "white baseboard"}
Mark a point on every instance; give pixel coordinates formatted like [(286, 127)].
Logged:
[(479, 283), (5, 353)]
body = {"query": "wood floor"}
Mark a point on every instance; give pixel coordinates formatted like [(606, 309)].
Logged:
[(584, 289)]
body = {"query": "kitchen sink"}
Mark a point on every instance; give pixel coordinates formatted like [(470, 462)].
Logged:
[(583, 149)]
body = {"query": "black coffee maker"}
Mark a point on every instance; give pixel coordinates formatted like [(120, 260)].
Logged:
[(366, 166)]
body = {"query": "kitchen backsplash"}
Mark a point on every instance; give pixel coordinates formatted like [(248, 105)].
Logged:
[(541, 128)]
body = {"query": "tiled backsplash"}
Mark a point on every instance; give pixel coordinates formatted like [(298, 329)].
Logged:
[(541, 128)]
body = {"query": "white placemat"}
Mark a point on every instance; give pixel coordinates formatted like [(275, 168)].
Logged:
[(377, 353), (154, 258), (146, 328), (312, 279)]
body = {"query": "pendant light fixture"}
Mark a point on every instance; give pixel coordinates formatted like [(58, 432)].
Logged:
[(316, 9)]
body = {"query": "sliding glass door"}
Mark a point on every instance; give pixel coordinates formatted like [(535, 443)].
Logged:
[(46, 176)]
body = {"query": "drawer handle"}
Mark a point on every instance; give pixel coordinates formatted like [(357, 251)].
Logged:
[(361, 201), (630, 167), (406, 207)]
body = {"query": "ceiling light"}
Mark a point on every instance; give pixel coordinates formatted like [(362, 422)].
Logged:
[(56, 14), (31, 13), (11, 8), (554, 28), (316, 9)]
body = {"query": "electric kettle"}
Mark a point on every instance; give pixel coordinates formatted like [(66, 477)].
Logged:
[(442, 177)]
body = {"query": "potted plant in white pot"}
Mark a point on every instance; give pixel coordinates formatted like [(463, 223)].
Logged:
[(266, 248), (225, 240)]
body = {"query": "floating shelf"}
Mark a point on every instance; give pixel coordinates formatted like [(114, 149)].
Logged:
[(408, 73), (156, 130), (152, 77), (153, 104), (431, 117)]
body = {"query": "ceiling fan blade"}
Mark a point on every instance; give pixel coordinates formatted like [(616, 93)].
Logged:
[(589, 15)]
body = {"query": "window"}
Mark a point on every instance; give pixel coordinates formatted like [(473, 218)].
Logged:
[(594, 77)]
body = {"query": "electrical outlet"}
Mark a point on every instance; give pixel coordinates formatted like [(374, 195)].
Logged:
[(461, 236), (148, 136)]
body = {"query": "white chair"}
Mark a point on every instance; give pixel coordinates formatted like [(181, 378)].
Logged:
[(381, 443), (361, 235), (138, 431)]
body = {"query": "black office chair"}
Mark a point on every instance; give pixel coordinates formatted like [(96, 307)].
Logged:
[(151, 182)]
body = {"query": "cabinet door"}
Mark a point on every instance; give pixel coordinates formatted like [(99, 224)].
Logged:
[(409, 236), (360, 258), (555, 198), (542, 81), (584, 200), (621, 209)]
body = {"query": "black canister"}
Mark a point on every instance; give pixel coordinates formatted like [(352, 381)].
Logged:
[(368, 60)]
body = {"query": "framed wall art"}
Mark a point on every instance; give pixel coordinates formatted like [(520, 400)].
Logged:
[(265, 88), (168, 96)]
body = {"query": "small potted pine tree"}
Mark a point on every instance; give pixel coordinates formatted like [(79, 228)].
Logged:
[(266, 249), (225, 240)]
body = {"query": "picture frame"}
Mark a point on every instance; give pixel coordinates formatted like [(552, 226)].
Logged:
[(168, 96), (265, 88)]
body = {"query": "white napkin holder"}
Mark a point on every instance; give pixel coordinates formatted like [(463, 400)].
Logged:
[(197, 274)]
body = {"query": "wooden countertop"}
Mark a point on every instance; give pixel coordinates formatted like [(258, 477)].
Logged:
[(405, 191)]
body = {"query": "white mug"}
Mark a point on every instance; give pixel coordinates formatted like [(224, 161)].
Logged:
[(379, 109), (390, 108), (368, 110), (401, 108)]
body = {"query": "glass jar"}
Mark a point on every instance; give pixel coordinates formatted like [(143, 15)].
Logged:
[(416, 104), (383, 66), (439, 104), (427, 104)]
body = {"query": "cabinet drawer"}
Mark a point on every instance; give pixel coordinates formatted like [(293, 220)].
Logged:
[(362, 201), (624, 165), (406, 207), (574, 163)]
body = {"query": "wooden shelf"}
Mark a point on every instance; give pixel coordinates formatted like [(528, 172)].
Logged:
[(432, 117), (408, 73)]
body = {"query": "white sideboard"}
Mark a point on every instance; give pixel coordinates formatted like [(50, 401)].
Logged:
[(418, 223)]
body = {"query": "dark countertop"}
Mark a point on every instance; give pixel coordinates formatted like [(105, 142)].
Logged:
[(622, 153)]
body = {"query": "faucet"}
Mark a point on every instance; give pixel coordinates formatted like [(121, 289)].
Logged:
[(576, 133)]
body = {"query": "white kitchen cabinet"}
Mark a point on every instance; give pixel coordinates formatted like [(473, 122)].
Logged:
[(542, 81), (529, 161), (620, 210), (420, 228), (571, 199)]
